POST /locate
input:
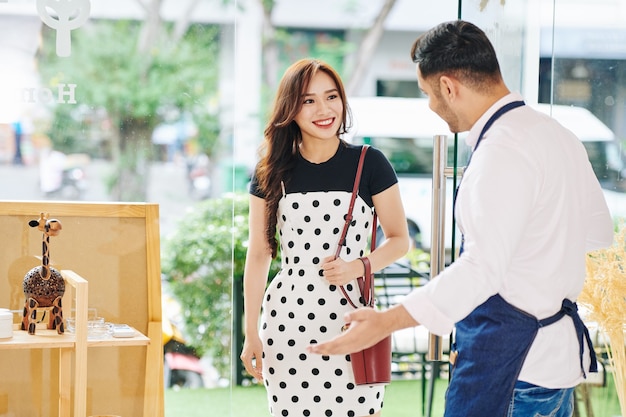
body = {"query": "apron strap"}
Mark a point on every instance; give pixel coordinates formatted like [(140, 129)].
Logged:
[(570, 308)]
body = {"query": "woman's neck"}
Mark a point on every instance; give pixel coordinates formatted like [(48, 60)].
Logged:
[(319, 151)]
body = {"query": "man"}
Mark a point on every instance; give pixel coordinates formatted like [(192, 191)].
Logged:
[(529, 207)]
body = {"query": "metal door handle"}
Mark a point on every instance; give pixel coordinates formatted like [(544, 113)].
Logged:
[(437, 241)]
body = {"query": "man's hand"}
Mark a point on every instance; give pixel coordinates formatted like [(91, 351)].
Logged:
[(365, 328)]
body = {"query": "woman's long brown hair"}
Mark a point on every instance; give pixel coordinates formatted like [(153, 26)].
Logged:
[(282, 135)]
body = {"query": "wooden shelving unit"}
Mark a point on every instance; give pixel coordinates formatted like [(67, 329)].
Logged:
[(71, 345), (113, 253)]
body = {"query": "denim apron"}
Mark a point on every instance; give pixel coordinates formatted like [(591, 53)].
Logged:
[(492, 343), (491, 346)]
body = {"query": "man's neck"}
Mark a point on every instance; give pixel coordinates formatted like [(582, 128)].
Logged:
[(484, 103)]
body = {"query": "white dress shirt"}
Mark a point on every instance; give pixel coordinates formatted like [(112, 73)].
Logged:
[(529, 207)]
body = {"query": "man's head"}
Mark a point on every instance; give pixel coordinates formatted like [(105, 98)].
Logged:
[(460, 49), (456, 64)]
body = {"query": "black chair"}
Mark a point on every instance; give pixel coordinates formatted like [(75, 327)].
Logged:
[(409, 346)]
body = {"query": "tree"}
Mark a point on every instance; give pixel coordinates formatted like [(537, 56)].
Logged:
[(364, 55), (214, 236), (483, 4), (139, 73), (270, 46), (368, 47)]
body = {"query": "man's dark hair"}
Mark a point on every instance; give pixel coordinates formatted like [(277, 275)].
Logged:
[(457, 48)]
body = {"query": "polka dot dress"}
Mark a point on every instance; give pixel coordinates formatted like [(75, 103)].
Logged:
[(301, 308)]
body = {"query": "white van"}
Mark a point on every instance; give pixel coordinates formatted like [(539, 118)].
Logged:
[(403, 129)]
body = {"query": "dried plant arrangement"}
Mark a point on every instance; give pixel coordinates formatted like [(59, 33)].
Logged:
[(604, 295)]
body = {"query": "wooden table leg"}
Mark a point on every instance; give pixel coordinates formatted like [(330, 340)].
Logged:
[(65, 382)]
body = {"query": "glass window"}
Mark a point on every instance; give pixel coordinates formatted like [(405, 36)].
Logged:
[(165, 101)]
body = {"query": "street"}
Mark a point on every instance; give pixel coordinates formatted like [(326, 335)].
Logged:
[(168, 188)]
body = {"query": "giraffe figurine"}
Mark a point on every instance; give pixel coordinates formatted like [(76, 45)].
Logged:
[(44, 286)]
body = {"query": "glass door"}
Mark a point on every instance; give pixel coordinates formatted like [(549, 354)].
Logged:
[(165, 101)]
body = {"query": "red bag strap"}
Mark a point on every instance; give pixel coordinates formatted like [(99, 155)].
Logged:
[(366, 283), (367, 290), (355, 190)]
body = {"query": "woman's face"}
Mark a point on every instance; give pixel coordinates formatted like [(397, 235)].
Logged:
[(322, 109)]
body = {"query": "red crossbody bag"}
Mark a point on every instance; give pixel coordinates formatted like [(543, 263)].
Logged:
[(372, 365)]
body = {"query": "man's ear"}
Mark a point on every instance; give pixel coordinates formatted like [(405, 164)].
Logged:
[(448, 87)]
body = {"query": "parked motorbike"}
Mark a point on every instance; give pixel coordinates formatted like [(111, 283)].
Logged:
[(181, 366), (72, 186), (199, 177), (62, 177)]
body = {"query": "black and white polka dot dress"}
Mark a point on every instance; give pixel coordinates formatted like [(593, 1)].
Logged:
[(301, 308)]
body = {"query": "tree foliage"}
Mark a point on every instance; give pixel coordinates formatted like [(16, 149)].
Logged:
[(200, 260), (136, 91)]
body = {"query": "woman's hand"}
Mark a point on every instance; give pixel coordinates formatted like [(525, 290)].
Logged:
[(252, 356), (339, 272)]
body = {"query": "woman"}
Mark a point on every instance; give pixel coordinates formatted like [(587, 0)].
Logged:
[(302, 187)]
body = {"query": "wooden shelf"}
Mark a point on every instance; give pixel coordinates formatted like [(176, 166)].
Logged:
[(137, 340), (47, 339), (43, 339)]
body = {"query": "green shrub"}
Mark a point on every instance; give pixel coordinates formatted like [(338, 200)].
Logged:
[(200, 261)]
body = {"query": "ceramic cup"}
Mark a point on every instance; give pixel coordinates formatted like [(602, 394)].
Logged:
[(6, 323)]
